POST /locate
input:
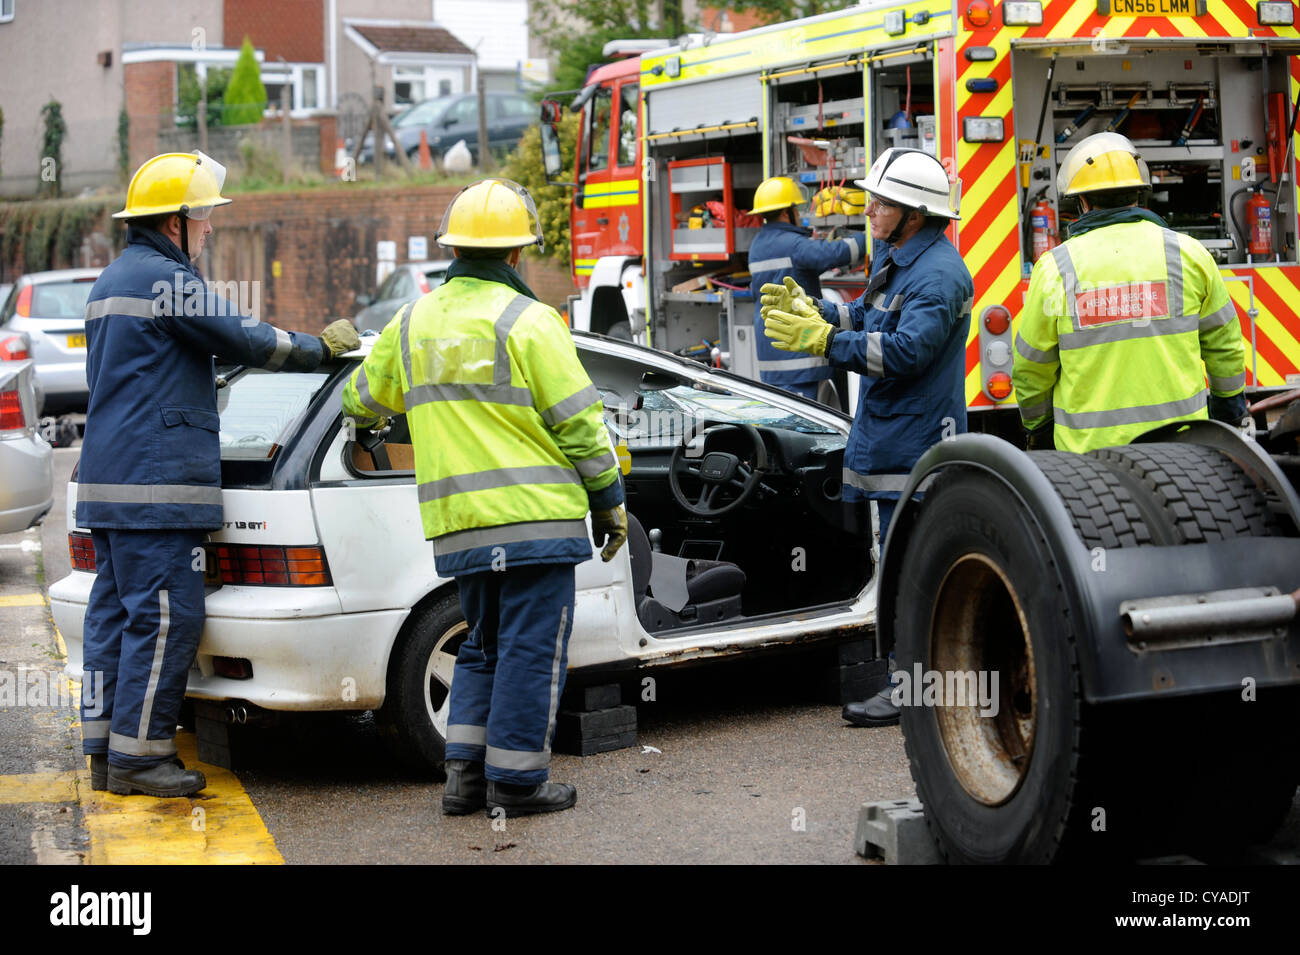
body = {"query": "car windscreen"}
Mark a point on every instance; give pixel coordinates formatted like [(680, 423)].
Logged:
[(61, 299), (667, 415), (260, 409), (422, 114)]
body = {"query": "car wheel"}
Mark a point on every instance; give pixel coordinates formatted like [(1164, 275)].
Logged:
[(414, 714)]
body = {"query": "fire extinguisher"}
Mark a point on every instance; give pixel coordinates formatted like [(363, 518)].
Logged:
[(1042, 220), (1259, 224)]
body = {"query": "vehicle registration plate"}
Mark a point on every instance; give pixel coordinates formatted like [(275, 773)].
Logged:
[(1151, 8), (76, 341)]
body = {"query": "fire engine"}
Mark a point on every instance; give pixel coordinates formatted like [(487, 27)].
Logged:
[(673, 143)]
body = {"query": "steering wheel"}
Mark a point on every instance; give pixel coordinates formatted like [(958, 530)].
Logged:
[(717, 470)]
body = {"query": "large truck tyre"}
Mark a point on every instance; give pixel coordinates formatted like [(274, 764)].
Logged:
[(1043, 775)]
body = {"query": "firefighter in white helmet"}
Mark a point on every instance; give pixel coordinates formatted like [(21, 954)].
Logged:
[(907, 339), (1124, 321)]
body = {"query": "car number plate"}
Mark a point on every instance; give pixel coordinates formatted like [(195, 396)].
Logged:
[(76, 341), (211, 567), (1154, 8)]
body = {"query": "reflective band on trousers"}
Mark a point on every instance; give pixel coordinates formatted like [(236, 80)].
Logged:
[(148, 494), (120, 305), (506, 534), (467, 733), (555, 681), (129, 746), (498, 477), (155, 674), (1136, 415), (790, 364), (875, 482), (516, 759), (768, 265), (95, 729)]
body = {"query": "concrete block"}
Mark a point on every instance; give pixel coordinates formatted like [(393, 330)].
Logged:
[(597, 731), (896, 832), (600, 697)]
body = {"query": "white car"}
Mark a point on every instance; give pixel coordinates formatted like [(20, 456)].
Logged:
[(26, 460), (323, 590)]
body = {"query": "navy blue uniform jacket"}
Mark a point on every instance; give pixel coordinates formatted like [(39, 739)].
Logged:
[(151, 455), (909, 341)]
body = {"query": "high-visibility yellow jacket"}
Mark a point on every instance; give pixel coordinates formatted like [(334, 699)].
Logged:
[(510, 447), (1120, 327)]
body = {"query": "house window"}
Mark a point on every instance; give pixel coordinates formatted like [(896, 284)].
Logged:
[(408, 85), (6, 10), (304, 81)]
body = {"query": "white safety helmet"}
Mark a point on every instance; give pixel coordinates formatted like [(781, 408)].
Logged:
[(916, 180)]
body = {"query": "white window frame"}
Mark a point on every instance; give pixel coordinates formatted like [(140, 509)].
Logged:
[(277, 73), (6, 17)]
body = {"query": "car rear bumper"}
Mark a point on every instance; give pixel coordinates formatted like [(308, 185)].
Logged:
[(63, 380), (26, 481), (304, 653)]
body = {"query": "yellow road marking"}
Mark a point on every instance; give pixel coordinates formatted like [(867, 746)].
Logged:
[(23, 600), (38, 787), (221, 826)]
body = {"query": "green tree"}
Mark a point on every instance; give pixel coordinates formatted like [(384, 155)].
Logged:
[(575, 30), (577, 56), (54, 131), (525, 167), (189, 92), (245, 96)]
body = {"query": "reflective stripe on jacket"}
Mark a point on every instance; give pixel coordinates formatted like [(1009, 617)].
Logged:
[(151, 456), (781, 249), (909, 344), (1116, 325), (511, 450)]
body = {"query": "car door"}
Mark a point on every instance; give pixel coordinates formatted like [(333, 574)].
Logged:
[(461, 122)]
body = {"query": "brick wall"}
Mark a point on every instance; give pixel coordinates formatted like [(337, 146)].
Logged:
[(324, 243), (293, 29), (150, 101)]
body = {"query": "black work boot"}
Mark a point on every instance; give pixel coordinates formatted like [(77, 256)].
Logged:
[(879, 710), (466, 789), (527, 800), (99, 771), (169, 778)]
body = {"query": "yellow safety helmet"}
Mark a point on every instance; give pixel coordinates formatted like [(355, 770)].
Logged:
[(779, 192), (491, 214), (1100, 162), (188, 183)]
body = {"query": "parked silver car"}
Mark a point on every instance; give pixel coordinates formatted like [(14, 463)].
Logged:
[(404, 284), (26, 460), (50, 308)]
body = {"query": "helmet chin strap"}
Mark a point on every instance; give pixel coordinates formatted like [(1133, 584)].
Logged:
[(892, 238), (185, 231)]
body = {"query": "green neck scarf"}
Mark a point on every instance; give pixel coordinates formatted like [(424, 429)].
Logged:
[(1099, 218), (490, 270)]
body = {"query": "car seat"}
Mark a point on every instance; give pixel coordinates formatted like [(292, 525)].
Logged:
[(672, 592)]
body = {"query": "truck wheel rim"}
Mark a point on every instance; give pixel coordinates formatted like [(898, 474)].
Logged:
[(437, 676), (979, 627)]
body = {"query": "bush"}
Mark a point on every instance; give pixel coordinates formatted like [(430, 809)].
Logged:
[(525, 167), (245, 96)]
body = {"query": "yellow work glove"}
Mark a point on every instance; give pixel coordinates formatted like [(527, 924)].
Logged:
[(781, 297), (800, 329), (340, 337), (609, 531)]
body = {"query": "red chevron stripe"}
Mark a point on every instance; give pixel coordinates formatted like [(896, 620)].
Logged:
[(1053, 13), (1271, 301), (1006, 250), (979, 223)]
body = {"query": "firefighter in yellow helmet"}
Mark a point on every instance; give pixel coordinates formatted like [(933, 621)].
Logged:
[(149, 481), (511, 453), (1123, 322), (784, 249)]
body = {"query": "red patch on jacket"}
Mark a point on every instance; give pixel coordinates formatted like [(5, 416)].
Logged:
[(1120, 303)]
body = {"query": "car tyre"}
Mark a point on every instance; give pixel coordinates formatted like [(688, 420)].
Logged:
[(413, 718)]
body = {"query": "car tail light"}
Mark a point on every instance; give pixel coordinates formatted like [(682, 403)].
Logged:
[(81, 548), (999, 385), (424, 285), (273, 566), (24, 306), (12, 415), (13, 348)]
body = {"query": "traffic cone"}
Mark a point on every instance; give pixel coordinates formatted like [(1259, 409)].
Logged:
[(340, 159), (426, 158)]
